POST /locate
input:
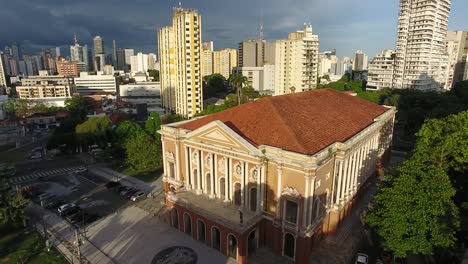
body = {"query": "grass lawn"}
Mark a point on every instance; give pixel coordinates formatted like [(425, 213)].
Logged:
[(18, 245)]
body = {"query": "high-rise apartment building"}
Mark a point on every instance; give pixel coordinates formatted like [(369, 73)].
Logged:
[(224, 61), (296, 62), (120, 65), (79, 53), (2, 73), (128, 54), (360, 61), (255, 53), (207, 58), (98, 45), (457, 49), (381, 69), (180, 52), (421, 58), (67, 68)]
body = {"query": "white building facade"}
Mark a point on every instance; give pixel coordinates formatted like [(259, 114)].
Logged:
[(381, 69), (457, 49), (87, 84)]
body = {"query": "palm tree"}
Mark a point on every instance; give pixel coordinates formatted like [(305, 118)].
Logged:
[(238, 80)]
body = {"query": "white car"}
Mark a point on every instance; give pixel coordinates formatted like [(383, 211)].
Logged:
[(65, 207), (81, 170), (36, 155), (362, 258)]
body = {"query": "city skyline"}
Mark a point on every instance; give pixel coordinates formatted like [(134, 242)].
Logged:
[(339, 24)]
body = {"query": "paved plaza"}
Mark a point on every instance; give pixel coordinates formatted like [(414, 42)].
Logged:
[(134, 236)]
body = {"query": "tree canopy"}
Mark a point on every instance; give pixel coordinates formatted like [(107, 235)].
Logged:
[(144, 153), (213, 84), (416, 209), (78, 107), (25, 107), (95, 130)]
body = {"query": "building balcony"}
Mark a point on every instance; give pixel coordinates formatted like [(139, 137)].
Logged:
[(216, 210)]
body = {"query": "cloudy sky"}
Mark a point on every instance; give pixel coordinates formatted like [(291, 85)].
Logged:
[(346, 25)]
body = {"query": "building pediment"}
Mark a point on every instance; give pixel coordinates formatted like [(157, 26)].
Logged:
[(218, 134)]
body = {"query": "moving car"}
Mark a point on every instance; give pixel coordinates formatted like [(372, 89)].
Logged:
[(137, 196), (70, 211), (126, 190), (54, 204), (131, 193), (81, 170), (362, 258), (113, 184), (64, 207)]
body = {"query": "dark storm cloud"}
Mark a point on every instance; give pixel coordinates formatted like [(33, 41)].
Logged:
[(346, 25)]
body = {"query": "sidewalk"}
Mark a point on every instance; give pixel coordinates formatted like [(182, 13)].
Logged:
[(341, 247), (65, 236)]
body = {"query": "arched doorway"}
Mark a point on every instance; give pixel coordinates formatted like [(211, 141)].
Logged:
[(215, 238), (232, 246), (187, 224), (253, 199), (289, 247), (208, 183), (252, 243), (201, 231), (175, 218), (237, 194)]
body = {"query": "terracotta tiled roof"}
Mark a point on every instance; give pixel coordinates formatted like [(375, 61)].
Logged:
[(304, 122)]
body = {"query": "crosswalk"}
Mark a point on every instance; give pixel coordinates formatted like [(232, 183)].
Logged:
[(34, 176)]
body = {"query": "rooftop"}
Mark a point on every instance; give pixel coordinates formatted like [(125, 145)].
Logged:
[(305, 123)]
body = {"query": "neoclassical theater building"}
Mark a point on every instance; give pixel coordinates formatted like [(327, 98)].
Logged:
[(280, 172)]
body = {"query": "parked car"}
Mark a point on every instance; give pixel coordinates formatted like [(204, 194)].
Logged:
[(113, 184), (81, 169), (131, 193), (54, 204), (137, 196), (36, 155), (362, 258), (70, 211), (64, 207)]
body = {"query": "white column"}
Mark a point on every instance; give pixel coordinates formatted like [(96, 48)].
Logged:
[(230, 170), (187, 171), (198, 173), (305, 207), (278, 192), (164, 158), (202, 174), (311, 201), (351, 177), (358, 170), (343, 180), (243, 184), (361, 169), (192, 177), (259, 188), (262, 175), (216, 177), (226, 182), (212, 176), (339, 179), (177, 163)]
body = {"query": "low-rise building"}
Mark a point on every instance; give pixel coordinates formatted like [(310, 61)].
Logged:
[(262, 79), (88, 84), (68, 68), (273, 173), (53, 90), (148, 93)]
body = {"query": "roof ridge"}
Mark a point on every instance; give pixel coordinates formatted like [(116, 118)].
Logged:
[(285, 124)]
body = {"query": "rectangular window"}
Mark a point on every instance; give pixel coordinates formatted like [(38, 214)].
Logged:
[(291, 212), (171, 170)]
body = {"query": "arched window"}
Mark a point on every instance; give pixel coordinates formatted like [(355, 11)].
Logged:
[(253, 199), (291, 211), (208, 183), (215, 238), (201, 231), (222, 187), (237, 194), (175, 218), (232, 246), (187, 224), (289, 245)]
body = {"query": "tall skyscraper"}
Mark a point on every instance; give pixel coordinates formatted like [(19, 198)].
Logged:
[(360, 61), (120, 60), (16, 52), (2, 72), (98, 45), (421, 58), (381, 70), (457, 49), (128, 54), (251, 53), (179, 48), (79, 53), (296, 62), (224, 61), (207, 58), (114, 54)]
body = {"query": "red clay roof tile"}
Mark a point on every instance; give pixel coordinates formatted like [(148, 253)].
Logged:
[(304, 122)]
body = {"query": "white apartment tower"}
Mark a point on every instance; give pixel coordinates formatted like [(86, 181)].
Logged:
[(2, 73), (180, 61), (296, 62), (360, 61), (79, 53), (421, 58), (207, 58), (381, 71), (457, 48)]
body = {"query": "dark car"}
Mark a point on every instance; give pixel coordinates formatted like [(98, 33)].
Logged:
[(131, 193), (89, 218), (54, 204), (113, 184), (70, 211), (125, 191)]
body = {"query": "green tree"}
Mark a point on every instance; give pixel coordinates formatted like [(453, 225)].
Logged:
[(78, 107), (154, 74), (238, 80), (12, 208), (152, 125), (24, 107), (96, 130), (213, 84), (168, 118), (211, 109), (144, 153), (247, 94)]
